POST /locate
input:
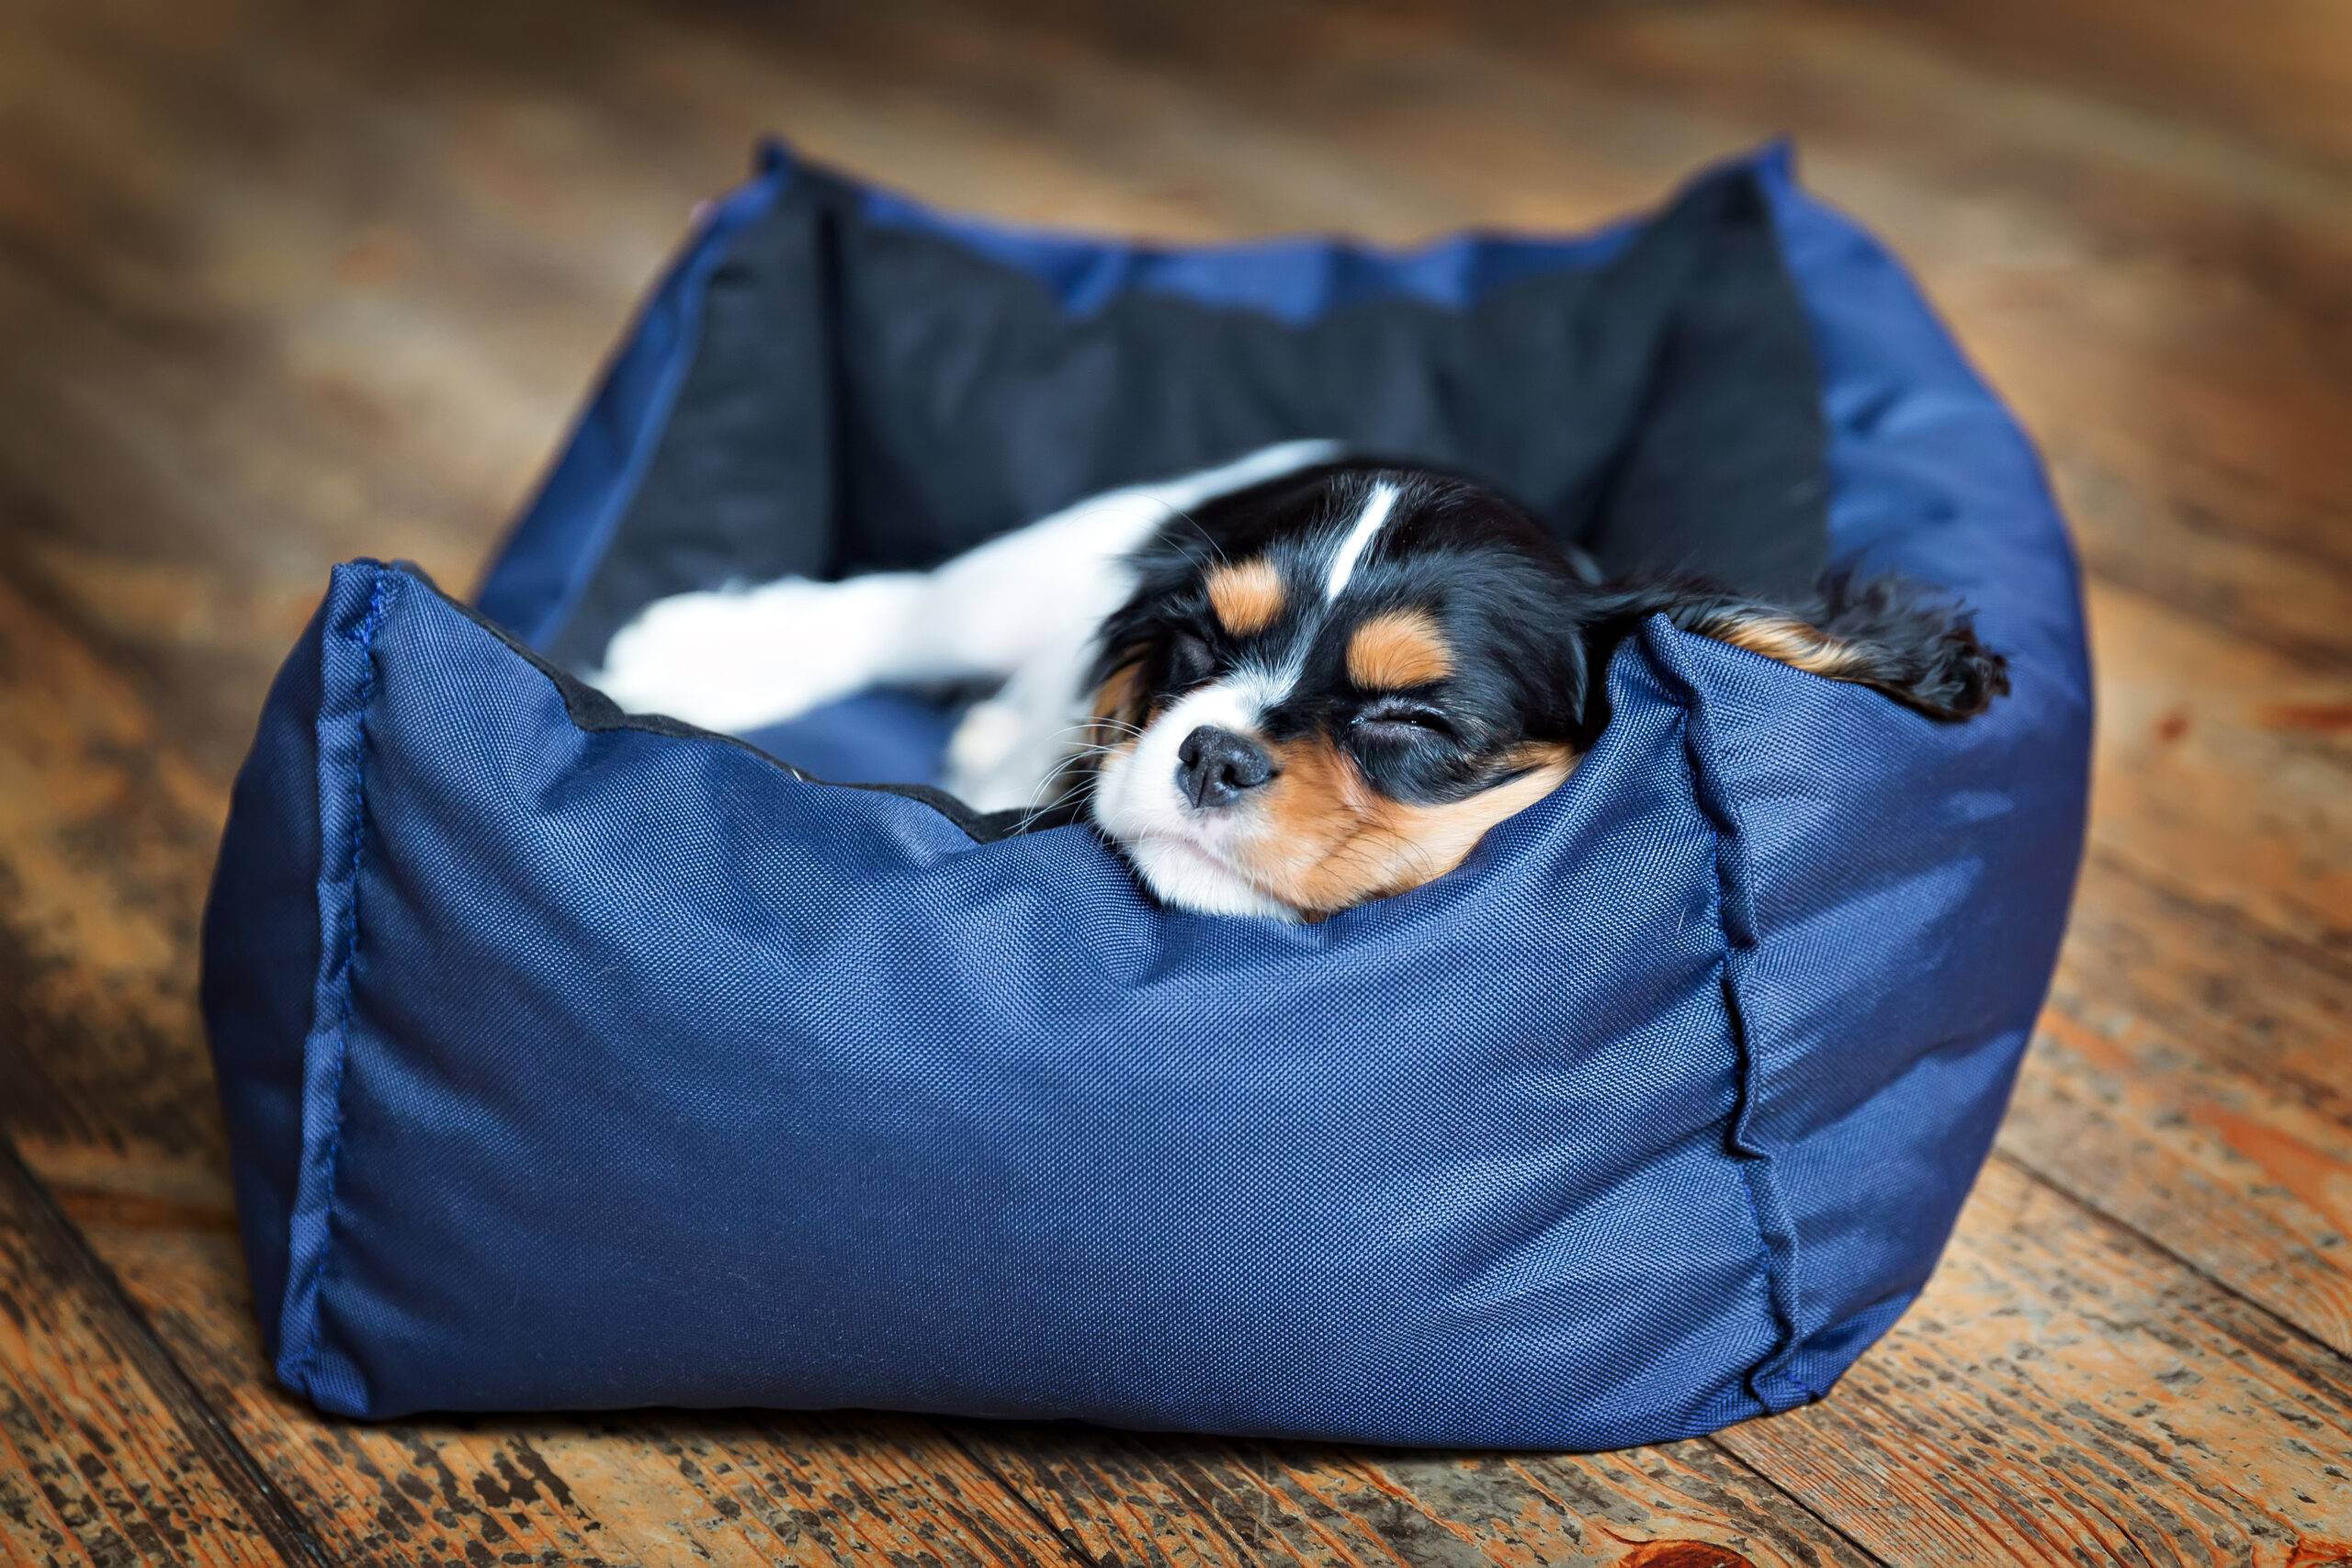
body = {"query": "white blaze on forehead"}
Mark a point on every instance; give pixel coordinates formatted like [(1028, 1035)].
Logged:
[(1238, 703), (1358, 543)]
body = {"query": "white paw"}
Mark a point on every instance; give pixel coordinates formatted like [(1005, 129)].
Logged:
[(996, 761), (739, 659), (984, 740)]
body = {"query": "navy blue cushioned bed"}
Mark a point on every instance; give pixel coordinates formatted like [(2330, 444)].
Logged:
[(577, 1059)]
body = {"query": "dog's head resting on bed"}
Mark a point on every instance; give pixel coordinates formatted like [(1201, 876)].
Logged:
[(1327, 689)]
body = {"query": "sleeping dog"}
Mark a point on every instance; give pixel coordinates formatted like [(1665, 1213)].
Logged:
[(1282, 687)]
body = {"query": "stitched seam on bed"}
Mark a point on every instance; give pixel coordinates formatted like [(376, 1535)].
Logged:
[(1754, 1161), (381, 593)]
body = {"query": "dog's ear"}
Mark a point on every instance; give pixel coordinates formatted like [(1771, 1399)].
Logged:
[(1882, 632)]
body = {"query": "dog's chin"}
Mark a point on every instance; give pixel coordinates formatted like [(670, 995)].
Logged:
[(1185, 874), (1174, 851)]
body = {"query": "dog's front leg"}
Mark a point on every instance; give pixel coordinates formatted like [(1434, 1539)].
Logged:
[(736, 659)]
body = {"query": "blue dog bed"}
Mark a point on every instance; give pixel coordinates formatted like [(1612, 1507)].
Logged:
[(573, 1059)]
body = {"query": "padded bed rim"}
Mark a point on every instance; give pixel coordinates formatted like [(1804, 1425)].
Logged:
[(307, 1357), (559, 544)]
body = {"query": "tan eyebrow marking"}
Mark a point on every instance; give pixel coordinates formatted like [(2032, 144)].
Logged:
[(1116, 700), (1397, 649), (1247, 598)]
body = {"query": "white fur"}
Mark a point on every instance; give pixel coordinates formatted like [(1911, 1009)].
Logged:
[(1181, 853), (1352, 549), (740, 658), (1022, 610)]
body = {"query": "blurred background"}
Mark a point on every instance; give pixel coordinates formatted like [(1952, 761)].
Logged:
[(314, 280), (283, 284)]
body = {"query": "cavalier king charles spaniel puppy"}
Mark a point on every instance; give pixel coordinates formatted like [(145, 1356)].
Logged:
[(1282, 687)]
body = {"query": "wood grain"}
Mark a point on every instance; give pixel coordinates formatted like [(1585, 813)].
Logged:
[(106, 1453), (2281, 72), (104, 852), (1122, 1498), (2188, 1083), (2204, 787), (648, 1489), (2065, 1392), (834, 1488)]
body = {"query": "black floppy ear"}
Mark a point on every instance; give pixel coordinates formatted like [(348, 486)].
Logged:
[(1882, 632)]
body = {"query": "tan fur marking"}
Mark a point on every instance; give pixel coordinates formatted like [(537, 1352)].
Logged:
[(1790, 642), (1115, 698), (1396, 650), (1118, 714), (1247, 598), (1331, 842)]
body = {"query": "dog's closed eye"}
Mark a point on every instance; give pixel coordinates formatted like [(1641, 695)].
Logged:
[(1190, 661), (1402, 722)]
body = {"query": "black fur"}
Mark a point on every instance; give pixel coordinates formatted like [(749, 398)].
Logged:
[(1528, 632), (1903, 641)]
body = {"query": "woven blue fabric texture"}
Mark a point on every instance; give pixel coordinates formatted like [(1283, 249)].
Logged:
[(574, 1065)]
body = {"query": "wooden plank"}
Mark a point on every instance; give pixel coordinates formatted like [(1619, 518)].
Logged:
[(2250, 1185), (1189, 1501), (650, 1488), (105, 1455), (2064, 1393), (2275, 71), (105, 849), (831, 1488), (1919, 126), (2140, 957), (2211, 780), (228, 410), (2188, 1081), (304, 215)]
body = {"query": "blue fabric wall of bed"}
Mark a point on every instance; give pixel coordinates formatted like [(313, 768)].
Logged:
[(590, 1066)]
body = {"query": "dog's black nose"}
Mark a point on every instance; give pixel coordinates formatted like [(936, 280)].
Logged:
[(1215, 767)]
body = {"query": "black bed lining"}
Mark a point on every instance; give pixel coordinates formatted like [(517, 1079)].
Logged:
[(867, 396)]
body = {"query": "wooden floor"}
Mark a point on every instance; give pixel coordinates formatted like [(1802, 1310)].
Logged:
[(283, 285)]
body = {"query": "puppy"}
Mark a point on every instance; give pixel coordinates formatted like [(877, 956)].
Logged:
[(1283, 687)]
